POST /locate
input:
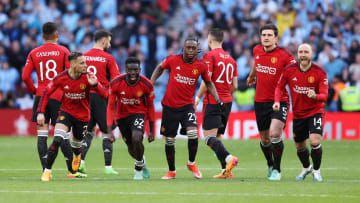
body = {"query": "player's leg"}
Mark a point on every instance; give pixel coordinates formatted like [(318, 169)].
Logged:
[(263, 119), (42, 135), (137, 132), (169, 126), (277, 125), (79, 129), (316, 150), (59, 134)]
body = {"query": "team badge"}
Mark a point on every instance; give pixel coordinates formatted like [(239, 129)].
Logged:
[(311, 79), (162, 129), (195, 71), (124, 138), (62, 118), (294, 135), (139, 93), (273, 59), (82, 86)]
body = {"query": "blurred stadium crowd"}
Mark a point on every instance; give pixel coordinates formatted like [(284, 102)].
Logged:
[(153, 29)]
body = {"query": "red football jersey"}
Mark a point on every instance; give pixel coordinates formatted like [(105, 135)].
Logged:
[(48, 60), (131, 99), (300, 83), (76, 95), (100, 63), (182, 80), (223, 68), (269, 66)]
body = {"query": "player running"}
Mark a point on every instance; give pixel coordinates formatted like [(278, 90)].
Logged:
[(308, 85), (75, 84), (48, 60), (269, 62), (101, 64), (223, 72), (178, 103), (134, 94)]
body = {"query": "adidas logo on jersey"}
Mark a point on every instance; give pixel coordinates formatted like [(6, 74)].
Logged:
[(66, 87), (178, 68), (294, 79), (122, 93), (257, 57)]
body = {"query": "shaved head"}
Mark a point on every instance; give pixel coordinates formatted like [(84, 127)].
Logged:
[(305, 46)]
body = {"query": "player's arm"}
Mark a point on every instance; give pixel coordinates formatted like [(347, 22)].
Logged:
[(113, 69), (53, 85), (151, 113), (26, 75), (157, 73), (99, 89), (323, 90), (234, 85), (212, 90), (201, 91), (279, 90), (251, 80), (110, 114)]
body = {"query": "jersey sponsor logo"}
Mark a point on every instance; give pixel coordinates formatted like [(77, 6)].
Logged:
[(66, 87), (95, 58), (195, 71), (302, 90), (311, 79), (82, 86), (70, 95), (185, 80), (130, 101), (294, 79), (177, 68), (48, 53), (273, 59), (266, 69)]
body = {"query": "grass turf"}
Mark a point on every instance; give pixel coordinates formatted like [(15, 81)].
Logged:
[(20, 175)]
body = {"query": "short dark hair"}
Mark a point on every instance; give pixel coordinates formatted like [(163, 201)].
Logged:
[(217, 34), (101, 34), (74, 55), (270, 26), (191, 38), (49, 29), (132, 60)]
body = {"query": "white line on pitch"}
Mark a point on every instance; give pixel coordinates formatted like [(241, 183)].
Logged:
[(182, 194)]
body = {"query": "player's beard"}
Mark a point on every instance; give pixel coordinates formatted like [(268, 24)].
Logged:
[(305, 61)]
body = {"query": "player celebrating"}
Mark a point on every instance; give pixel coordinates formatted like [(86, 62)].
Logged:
[(76, 85), (223, 71), (48, 60), (309, 90), (135, 99), (100, 63), (178, 103), (269, 62)]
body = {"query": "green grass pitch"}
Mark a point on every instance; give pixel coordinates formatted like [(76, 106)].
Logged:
[(20, 175)]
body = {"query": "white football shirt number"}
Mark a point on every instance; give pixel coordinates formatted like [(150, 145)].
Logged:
[(49, 68), (92, 69), (229, 73)]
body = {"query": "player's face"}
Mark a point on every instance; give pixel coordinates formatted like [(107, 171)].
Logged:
[(107, 43), (133, 72), (268, 38), (305, 54), (80, 64), (190, 49)]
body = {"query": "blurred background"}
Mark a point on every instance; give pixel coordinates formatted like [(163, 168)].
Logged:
[(153, 29)]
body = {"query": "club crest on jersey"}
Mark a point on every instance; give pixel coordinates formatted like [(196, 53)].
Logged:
[(273, 59), (139, 93), (162, 129), (82, 86), (311, 79), (195, 71), (62, 118)]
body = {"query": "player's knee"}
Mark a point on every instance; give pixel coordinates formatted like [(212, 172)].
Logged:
[(276, 133), (170, 141), (75, 144), (275, 140), (57, 141), (136, 137), (192, 134), (314, 142), (207, 138)]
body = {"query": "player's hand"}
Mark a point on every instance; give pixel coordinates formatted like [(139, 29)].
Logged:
[(221, 105), (151, 137), (197, 100), (276, 106), (111, 137), (40, 119), (92, 79), (251, 80), (311, 94)]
